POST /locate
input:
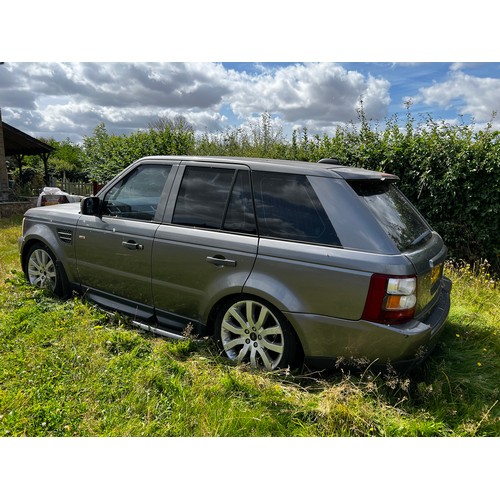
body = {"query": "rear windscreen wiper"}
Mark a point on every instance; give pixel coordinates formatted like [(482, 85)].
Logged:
[(421, 238)]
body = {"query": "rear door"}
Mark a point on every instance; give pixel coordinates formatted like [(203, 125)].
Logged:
[(207, 245), (114, 251)]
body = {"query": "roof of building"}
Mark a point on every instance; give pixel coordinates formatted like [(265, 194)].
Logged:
[(18, 142)]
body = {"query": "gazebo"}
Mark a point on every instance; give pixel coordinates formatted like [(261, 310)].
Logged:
[(15, 143)]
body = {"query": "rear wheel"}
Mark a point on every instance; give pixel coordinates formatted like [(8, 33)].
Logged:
[(43, 272), (251, 331)]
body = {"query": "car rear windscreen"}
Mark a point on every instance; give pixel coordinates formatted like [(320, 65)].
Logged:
[(397, 216)]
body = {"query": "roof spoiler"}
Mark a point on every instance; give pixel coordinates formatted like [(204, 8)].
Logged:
[(330, 161)]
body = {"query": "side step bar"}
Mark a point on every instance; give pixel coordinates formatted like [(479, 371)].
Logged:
[(158, 331)]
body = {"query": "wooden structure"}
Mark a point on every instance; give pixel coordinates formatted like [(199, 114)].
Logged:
[(15, 143)]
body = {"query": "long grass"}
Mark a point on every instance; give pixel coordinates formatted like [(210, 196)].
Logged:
[(67, 369)]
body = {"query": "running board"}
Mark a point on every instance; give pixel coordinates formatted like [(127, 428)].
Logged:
[(158, 331)]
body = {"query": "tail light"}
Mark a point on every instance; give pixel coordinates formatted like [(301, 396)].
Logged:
[(53, 200), (391, 299)]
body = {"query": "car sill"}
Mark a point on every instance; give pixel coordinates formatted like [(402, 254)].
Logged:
[(158, 331)]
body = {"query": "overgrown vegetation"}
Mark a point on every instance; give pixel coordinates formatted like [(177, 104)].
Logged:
[(69, 370), (450, 172), (105, 155)]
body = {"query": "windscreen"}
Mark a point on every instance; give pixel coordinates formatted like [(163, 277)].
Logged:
[(397, 216)]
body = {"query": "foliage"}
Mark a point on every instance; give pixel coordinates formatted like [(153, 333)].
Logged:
[(259, 139), (105, 155), (63, 162), (450, 172), (69, 370)]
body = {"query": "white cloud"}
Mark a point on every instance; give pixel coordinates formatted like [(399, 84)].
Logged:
[(320, 93), (72, 98), (477, 96)]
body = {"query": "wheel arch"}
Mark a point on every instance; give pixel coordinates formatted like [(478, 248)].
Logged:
[(234, 297), (28, 244), (65, 287), (46, 237)]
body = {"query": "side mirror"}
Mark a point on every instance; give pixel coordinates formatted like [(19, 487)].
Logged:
[(90, 205)]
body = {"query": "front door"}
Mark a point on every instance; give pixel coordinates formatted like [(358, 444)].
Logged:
[(113, 251)]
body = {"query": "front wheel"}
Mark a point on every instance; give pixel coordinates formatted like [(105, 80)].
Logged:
[(42, 271), (250, 331)]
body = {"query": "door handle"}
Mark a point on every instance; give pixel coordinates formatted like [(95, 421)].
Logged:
[(132, 245), (220, 261)]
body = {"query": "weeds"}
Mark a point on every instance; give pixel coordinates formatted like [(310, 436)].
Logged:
[(67, 369)]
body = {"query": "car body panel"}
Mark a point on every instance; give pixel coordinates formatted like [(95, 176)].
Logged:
[(362, 342), (300, 277), (185, 283), (354, 225), (114, 256), (54, 226), (172, 274)]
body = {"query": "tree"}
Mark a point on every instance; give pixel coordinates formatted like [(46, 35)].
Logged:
[(106, 155)]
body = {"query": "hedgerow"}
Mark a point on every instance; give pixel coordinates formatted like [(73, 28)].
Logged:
[(451, 172)]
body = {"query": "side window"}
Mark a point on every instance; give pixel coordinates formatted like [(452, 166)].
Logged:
[(287, 207), (215, 198), (137, 195), (240, 217)]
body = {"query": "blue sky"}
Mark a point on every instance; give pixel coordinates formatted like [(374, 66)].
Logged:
[(68, 100), (335, 59)]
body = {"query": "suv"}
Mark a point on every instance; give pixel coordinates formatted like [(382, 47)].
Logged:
[(282, 261)]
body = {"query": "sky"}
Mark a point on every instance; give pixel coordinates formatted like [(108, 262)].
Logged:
[(69, 99), (440, 56)]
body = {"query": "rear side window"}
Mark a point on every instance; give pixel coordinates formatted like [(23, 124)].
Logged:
[(215, 198), (287, 207), (397, 216)]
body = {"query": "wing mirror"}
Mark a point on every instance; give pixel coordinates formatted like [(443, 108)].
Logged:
[(90, 206)]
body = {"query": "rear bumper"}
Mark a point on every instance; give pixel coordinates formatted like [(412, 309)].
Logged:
[(325, 340)]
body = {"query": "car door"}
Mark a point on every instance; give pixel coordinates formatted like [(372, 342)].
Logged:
[(113, 251), (207, 245)]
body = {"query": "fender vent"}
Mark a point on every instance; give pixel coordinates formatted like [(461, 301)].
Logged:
[(65, 235)]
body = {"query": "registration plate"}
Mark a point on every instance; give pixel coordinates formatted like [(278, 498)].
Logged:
[(436, 273)]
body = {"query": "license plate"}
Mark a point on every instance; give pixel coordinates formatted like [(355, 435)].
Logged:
[(436, 273)]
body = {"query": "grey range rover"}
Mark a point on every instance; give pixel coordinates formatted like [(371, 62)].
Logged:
[(283, 262)]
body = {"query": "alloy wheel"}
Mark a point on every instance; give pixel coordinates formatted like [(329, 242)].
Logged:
[(42, 269), (250, 332)]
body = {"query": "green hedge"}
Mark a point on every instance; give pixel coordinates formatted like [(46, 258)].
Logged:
[(450, 172)]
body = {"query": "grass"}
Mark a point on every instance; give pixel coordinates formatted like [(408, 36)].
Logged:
[(67, 369)]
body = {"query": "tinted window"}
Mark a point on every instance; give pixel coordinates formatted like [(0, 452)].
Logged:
[(287, 207), (397, 216), (240, 215), (137, 195), (215, 198)]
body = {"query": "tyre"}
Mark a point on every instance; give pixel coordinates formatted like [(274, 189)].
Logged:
[(43, 271), (251, 331)]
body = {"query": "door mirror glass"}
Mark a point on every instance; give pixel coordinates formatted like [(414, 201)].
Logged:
[(90, 205)]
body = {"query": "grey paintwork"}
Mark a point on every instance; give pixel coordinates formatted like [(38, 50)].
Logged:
[(185, 283), (155, 270)]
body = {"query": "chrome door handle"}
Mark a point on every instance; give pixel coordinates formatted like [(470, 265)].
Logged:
[(220, 261), (132, 245)]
